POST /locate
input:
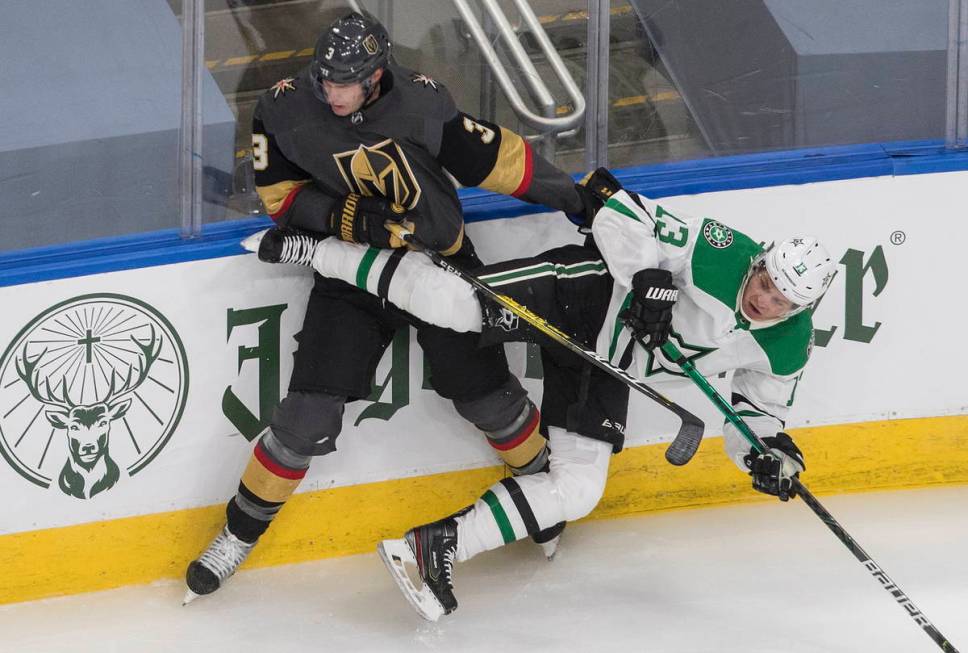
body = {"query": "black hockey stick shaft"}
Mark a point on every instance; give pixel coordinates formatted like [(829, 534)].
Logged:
[(686, 442), (672, 353)]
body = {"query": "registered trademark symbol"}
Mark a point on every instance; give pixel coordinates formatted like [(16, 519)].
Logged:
[(898, 237)]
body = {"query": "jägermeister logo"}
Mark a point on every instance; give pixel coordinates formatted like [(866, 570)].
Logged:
[(718, 235), (91, 390)]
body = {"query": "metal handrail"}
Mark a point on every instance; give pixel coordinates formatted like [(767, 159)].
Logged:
[(546, 123)]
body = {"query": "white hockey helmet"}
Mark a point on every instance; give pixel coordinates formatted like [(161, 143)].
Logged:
[(800, 267)]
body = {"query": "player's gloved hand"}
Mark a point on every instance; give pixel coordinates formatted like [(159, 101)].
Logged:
[(359, 219), (773, 470), (593, 191), (649, 315)]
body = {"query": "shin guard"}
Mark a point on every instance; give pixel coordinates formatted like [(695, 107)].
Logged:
[(272, 475)]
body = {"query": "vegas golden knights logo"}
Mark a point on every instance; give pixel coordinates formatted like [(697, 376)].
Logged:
[(380, 170), (371, 45)]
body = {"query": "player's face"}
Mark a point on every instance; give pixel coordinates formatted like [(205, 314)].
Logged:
[(344, 99), (761, 299)]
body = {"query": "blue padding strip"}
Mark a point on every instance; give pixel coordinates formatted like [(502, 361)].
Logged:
[(125, 252), (660, 180)]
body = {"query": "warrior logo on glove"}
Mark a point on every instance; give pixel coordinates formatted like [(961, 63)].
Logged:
[(649, 315)]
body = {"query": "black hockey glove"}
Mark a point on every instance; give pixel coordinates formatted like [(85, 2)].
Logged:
[(359, 219), (649, 315), (593, 191), (773, 470)]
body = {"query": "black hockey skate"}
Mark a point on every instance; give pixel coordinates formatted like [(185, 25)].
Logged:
[(219, 561), (283, 245), (431, 548)]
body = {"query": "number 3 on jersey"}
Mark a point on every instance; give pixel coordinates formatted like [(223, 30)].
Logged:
[(677, 236), (260, 152), (487, 135)]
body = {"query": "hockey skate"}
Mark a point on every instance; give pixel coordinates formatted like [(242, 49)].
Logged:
[(549, 539), (219, 561), (283, 245), (431, 549)]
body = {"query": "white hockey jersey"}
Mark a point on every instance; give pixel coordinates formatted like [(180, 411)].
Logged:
[(709, 263)]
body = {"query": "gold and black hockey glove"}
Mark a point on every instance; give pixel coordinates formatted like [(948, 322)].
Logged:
[(360, 219), (649, 314), (773, 470), (593, 191)]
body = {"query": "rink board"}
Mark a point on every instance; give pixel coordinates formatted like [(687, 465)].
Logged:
[(881, 404)]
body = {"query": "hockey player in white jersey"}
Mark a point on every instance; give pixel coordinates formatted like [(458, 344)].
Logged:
[(731, 305)]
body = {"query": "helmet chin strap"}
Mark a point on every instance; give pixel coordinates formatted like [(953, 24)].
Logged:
[(371, 91), (757, 264)]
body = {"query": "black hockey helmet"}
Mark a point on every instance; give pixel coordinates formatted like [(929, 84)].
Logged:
[(349, 50)]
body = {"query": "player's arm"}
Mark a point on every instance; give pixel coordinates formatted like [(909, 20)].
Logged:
[(480, 153), (763, 400), (634, 233), (288, 192), (293, 199)]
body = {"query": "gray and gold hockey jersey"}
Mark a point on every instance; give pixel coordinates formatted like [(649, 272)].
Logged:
[(306, 157)]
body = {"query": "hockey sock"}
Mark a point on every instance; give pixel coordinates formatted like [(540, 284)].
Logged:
[(524, 505), (408, 280), (520, 444), (272, 475)]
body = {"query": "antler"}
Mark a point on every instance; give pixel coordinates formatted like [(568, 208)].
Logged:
[(150, 353), (30, 376)]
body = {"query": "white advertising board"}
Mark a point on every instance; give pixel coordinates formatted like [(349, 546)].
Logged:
[(201, 351)]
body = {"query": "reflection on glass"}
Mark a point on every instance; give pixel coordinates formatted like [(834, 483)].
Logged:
[(762, 75), (688, 78), (91, 116)]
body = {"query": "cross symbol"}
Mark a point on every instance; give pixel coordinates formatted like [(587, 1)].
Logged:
[(88, 342)]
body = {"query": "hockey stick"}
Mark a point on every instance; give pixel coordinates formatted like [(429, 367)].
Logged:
[(673, 353), (686, 442)]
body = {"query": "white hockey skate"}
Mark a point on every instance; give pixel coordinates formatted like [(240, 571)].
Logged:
[(282, 245), (219, 561), (430, 549), (549, 539), (550, 548)]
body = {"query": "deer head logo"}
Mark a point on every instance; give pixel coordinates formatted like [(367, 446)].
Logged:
[(89, 468), (92, 390)]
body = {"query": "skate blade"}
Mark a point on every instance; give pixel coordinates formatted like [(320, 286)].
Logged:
[(550, 548), (189, 597), (395, 554), (251, 243)]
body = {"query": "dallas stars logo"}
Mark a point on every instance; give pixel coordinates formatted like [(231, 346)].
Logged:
[(283, 85), (718, 235), (423, 79), (657, 363)]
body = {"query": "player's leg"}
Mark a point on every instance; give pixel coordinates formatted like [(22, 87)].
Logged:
[(468, 374), (340, 345), (576, 400), (584, 413), (406, 279)]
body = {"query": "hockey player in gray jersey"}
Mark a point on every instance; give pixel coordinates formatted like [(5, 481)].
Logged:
[(344, 146), (649, 275)]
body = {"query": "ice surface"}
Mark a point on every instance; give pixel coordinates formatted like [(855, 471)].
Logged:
[(758, 578)]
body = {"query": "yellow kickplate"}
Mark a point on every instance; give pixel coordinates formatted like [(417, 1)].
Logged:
[(348, 520)]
